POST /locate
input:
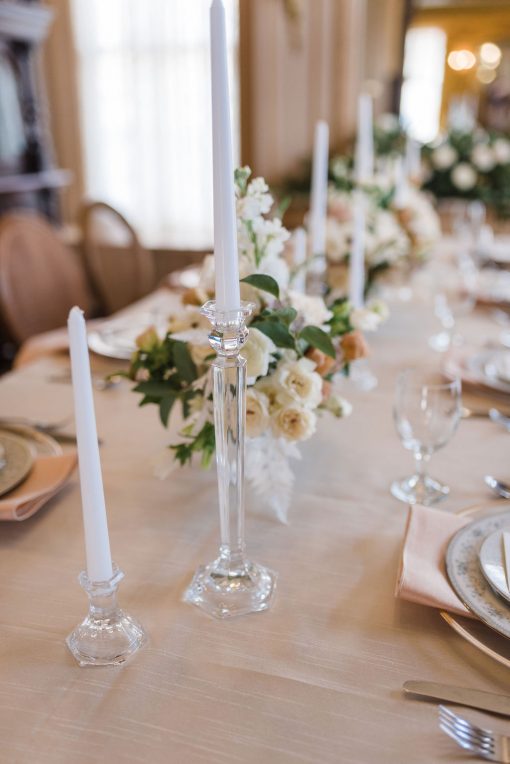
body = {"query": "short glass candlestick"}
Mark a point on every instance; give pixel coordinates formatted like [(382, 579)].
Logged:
[(107, 636), (230, 585)]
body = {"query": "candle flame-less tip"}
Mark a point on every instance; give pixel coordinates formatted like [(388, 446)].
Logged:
[(75, 311)]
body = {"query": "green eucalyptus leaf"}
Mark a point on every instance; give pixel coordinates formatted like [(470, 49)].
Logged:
[(154, 389), (183, 361), (263, 282), (277, 332), (318, 338)]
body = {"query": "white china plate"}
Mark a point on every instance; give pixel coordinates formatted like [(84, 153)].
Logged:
[(484, 366), (465, 574), (492, 563), (117, 340)]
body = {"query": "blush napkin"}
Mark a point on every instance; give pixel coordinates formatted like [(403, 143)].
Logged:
[(46, 478), (422, 574)]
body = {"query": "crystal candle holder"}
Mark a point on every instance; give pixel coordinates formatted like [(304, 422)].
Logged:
[(107, 636), (230, 585)]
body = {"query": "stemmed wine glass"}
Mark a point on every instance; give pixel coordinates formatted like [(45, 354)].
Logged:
[(454, 299), (427, 413)]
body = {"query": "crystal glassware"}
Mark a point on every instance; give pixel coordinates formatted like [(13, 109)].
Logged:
[(427, 413), (108, 636), (454, 299), (231, 584)]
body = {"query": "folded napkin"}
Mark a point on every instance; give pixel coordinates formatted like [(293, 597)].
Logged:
[(46, 478), (422, 575)]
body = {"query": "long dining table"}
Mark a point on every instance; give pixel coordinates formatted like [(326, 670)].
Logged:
[(316, 679)]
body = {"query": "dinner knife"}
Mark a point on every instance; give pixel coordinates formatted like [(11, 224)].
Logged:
[(486, 701)]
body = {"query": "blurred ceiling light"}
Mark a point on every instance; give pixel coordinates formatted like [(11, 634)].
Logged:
[(486, 74), (460, 60), (490, 55)]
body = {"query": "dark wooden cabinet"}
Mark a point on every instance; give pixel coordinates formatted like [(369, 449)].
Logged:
[(28, 176)]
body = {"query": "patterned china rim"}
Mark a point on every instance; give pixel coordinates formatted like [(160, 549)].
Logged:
[(466, 576)]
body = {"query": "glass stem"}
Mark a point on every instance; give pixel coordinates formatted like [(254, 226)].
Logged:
[(229, 380), (421, 460)]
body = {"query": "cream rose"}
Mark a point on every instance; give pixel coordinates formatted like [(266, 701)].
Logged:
[(313, 310), (294, 422), (298, 381), (464, 176), (257, 413), (257, 352), (444, 156)]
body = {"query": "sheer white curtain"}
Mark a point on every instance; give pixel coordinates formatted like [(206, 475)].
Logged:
[(146, 114)]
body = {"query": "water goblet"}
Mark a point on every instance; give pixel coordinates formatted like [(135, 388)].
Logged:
[(427, 412), (454, 299)]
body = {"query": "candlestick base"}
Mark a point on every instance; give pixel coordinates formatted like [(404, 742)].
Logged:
[(228, 587), (107, 636)]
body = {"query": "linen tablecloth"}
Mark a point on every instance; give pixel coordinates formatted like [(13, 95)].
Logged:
[(316, 679)]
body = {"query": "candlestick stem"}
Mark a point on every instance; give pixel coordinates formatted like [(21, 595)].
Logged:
[(107, 636), (231, 584)]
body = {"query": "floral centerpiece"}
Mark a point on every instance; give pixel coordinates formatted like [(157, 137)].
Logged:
[(402, 226), (297, 346), (470, 165)]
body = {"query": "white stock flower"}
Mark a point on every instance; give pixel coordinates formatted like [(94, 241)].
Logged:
[(338, 405), (293, 422), (257, 351), (298, 381), (501, 149), (464, 177), (311, 309), (257, 201), (483, 157), (257, 412), (444, 156)]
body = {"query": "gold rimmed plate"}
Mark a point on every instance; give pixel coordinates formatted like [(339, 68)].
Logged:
[(17, 460), (482, 634)]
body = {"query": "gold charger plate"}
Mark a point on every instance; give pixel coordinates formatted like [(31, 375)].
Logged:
[(43, 444), (17, 460), (478, 634)]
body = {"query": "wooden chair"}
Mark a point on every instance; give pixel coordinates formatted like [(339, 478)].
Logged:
[(120, 268), (40, 278)]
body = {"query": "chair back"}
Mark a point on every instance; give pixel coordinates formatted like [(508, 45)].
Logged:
[(120, 268), (40, 278)]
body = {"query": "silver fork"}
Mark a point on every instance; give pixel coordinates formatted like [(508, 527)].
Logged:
[(489, 745)]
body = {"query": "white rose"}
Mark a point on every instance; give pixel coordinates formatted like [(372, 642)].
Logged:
[(443, 157), (188, 318), (483, 157), (501, 149), (365, 320), (299, 382), (338, 406), (311, 309), (388, 122), (464, 176), (257, 413), (257, 351), (293, 422)]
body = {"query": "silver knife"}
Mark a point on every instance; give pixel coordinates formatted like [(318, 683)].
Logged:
[(486, 701)]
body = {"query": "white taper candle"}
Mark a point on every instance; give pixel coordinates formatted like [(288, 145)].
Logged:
[(225, 227), (357, 262), (319, 194), (364, 158), (97, 544), (299, 259)]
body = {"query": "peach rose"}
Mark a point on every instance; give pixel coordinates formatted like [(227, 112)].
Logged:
[(323, 363), (354, 346)]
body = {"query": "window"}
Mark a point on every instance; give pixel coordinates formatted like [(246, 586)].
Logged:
[(144, 80), (424, 59)]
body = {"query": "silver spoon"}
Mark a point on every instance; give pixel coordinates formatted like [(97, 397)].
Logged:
[(498, 487)]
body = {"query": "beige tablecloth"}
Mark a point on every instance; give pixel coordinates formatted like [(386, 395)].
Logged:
[(315, 680)]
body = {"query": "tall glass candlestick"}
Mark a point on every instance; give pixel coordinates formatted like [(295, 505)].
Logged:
[(231, 584)]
